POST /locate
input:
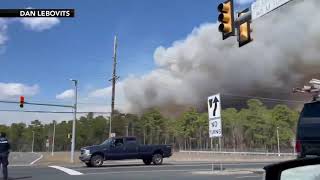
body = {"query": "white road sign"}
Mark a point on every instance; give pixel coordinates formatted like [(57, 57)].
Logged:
[(262, 7), (214, 111), (215, 127), (47, 143), (214, 106)]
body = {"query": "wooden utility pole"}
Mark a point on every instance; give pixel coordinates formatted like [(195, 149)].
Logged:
[(113, 79)]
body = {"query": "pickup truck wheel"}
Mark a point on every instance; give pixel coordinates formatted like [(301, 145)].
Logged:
[(96, 161), (88, 164), (157, 159), (147, 161)]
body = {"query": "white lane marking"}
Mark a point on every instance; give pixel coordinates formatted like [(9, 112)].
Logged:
[(114, 166), (66, 170), (19, 165), (242, 177), (41, 156), (169, 170)]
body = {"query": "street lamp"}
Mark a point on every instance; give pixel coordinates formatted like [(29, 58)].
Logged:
[(74, 120), (32, 141), (278, 141), (53, 137)]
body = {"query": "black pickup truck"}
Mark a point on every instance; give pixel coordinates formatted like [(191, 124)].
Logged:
[(121, 148), (308, 131)]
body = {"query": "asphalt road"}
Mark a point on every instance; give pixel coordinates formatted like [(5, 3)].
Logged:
[(23, 158), (138, 171)]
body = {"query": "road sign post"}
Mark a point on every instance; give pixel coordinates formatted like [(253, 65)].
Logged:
[(47, 144), (214, 110), (215, 126)]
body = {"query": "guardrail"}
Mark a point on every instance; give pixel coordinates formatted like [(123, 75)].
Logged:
[(241, 153)]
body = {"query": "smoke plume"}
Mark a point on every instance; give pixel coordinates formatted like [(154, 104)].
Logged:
[(284, 53)]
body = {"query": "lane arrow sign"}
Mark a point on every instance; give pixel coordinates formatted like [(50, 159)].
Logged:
[(216, 100)]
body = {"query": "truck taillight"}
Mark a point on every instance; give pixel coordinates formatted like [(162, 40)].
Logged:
[(298, 146)]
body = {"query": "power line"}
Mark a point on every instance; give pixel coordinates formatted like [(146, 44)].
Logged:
[(9, 102)]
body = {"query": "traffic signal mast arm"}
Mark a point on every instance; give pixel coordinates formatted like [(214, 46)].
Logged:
[(22, 103), (55, 105)]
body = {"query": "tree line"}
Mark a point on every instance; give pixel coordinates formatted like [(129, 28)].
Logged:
[(252, 127)]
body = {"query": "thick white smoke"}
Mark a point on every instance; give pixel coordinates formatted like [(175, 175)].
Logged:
[(285, 51)]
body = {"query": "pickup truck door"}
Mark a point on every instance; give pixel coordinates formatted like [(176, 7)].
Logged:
[(132, 148), (117, 150)]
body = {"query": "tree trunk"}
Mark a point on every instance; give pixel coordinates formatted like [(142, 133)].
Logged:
[(234, 140), (150, 136), (144, 136), (200, 137), (165, 139)]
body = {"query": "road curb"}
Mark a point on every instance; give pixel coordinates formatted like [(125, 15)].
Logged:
[(224, 172)]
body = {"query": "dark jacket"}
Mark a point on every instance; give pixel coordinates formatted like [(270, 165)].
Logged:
[(4, 145)]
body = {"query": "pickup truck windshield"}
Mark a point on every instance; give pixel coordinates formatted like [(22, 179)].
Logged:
[(106, 142)]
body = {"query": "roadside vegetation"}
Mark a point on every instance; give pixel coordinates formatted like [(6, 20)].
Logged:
[(250, 128)]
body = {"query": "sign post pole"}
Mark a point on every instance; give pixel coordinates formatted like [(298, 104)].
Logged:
[(215, 125)]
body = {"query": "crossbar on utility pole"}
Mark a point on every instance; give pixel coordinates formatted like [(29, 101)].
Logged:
[(114, 79)]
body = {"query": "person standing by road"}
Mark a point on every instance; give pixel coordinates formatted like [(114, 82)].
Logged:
[(4, 154)]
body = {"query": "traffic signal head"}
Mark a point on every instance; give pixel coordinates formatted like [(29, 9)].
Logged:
[(226, 18), (21, 101), (244, 29), (244, 34)]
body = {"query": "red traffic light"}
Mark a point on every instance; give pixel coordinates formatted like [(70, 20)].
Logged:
[(21, 101)]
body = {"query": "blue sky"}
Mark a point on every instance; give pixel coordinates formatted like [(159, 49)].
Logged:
[(81, 47)]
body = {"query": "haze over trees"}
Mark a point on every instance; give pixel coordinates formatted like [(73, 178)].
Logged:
[(250, 128)]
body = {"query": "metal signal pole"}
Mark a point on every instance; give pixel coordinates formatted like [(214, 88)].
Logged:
[(114, 79), (73, 138)]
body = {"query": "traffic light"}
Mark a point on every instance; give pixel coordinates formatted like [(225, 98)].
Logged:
[(226, 18), (21, 101), (244, 28), (69, 136)]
